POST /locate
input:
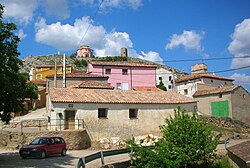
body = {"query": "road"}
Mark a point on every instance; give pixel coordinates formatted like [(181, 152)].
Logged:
[(10, 159)]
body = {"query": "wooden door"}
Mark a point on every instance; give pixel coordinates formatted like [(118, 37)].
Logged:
[(70, 119)]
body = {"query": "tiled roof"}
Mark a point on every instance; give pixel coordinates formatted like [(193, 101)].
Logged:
[(50, 66), (38, 82), (241, 150), (116, 96), (78, 75), (147, 89), (197, 76), (91, 85), (216, 90), (127, 64)]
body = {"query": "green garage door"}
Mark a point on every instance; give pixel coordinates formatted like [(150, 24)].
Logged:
[(220, 109)]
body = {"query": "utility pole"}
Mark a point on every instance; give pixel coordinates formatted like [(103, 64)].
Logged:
[(64, 70), (55, 71)]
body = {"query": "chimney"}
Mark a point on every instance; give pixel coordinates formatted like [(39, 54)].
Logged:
[(124, 52), (199, 68)]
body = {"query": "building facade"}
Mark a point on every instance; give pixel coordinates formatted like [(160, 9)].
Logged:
[(113, 113), (125, 75), (166, 77)]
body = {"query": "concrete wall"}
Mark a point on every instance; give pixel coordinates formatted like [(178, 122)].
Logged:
[(201, 86), (191, 87), (164, 74), (118, 123), (136, 76), (204, 103), (217, 82), (241, 105)]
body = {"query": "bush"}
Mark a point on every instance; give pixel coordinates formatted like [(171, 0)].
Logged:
[(186, 140)]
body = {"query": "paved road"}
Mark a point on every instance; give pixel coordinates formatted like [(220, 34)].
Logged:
[(10, 159)]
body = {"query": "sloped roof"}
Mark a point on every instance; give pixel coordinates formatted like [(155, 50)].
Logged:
[(125, 63), (147, 89), (91, 85), (241, 150), (216, 90), (38, 82), (50, 66), (197, 76), (116, 96), (78, 75)]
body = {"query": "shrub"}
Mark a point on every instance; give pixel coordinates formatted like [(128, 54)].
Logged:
[(186, 140)]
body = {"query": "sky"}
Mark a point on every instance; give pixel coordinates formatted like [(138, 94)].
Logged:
[(155, 30)]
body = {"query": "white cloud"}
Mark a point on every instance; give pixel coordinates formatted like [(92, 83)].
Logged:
[(57, 8), (21, 34), (150, 56), (191, 40), (134, 4), (241, 78), (20, 10), (240, 45)]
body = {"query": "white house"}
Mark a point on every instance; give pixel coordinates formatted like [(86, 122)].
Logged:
[(112, 113), (166, 76)]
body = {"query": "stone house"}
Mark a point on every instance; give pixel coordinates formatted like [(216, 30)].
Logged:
[(231, 101), (125, 75), (113, 113)]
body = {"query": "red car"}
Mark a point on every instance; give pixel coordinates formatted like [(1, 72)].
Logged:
[(44, 146)]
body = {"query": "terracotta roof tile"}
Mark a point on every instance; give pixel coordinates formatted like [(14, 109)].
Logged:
[(197, 76), (116, 96), (147, 89), (78, 75), (91, 85), (216, 90), (241, 150), (38, 82), (128, 64)]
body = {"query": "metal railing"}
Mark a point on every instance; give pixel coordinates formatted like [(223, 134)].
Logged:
[(102, 154)]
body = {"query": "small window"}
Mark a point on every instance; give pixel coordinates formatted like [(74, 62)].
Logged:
[(169, 87), (38, 76), (102, 112), (220, 95), (244, 96), (50, 68), (185, 91), (170, 78), (118, 86), (124, 71), (160, 78), (108, 71), (133, 113), (225, 83), (212, 81)]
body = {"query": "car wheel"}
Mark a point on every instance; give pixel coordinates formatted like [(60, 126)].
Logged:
[(63, 153), (43, 154)]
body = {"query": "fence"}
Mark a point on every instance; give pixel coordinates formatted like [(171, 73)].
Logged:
[(102, 154)]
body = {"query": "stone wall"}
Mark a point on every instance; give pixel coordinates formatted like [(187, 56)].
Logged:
[(75, 139)]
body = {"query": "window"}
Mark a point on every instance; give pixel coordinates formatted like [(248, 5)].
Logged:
[(220, 95), (185, 91), (169, 87), (212, 81), (118, 86), (50, 68), (170, 78), (102, 112), (124, 71), (225, 83), (133, 113), (160, 78), (38, 76), (108, 71)]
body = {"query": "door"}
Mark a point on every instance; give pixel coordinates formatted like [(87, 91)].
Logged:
[(220, 109), (70, 119)]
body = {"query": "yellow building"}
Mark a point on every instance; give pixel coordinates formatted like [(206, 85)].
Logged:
[(41, 71)]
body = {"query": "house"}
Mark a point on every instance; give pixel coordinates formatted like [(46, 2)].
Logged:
[(231, 101), (40, 72), (112, 113), (125, 75), (75, 77), (199, 79), (166, 76), (239, 155)]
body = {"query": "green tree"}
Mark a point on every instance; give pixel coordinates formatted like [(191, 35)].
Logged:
[(187, 140), (161, 85), (13, 86)]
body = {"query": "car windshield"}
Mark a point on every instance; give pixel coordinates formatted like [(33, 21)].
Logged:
[(39, 141)]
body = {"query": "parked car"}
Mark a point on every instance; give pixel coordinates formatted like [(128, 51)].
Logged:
[(44, 146)]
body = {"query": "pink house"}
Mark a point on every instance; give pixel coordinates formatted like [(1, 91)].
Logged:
[(125, 75)]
